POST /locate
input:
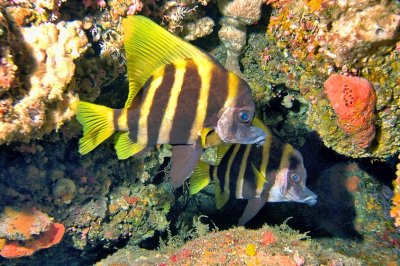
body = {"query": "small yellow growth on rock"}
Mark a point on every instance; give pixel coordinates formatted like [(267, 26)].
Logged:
[(2, 242), (251, 250)]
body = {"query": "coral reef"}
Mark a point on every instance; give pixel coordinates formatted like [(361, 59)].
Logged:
[(98, 199), (289, 65), (26, 231), (239, 246), (37, 100), (52, 51), (353, 100)]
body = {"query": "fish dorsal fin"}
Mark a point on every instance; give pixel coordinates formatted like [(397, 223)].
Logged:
[(200, 178), (125, 147), (148, 46), (221, 151)]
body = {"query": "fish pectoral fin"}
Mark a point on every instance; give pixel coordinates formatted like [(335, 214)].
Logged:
[(221, 198), (252, 208), (125, 147), (200, 177), (221, 151), (183, 160), (149, 46)]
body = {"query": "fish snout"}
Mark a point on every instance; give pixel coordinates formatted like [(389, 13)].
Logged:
[(311, 199)]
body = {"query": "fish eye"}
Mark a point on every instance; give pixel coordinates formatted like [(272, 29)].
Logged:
[(244, 116), (295, 178)]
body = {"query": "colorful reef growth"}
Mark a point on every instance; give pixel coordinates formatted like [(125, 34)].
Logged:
[(305, 43), (239, 246), (37, 64), (395, 211), (353, 100), (22, 232)]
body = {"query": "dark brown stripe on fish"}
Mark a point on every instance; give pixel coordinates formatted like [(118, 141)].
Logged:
[(133, 113), (222, 167), (217, 96), (293, 162), (185, 112), (159, 105), (275, 155)]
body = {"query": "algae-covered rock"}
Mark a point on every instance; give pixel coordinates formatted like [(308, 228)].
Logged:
[(296, 56), (354, 208), (266, 246)]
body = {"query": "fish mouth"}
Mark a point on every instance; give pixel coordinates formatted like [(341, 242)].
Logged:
[(311, 200), (258, 137)]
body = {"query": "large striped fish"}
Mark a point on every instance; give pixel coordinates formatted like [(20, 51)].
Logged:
[(273, 172), (177, 94)]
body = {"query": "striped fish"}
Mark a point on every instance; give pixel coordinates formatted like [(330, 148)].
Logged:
[(273, 172), (177, 95)]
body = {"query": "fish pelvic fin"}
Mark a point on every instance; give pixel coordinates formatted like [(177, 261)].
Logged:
[(124, 146), (98, 125), (200, 178), (148, 46)]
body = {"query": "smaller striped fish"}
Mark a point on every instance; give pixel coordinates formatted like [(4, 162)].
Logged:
[(273, 172), (177, 95)]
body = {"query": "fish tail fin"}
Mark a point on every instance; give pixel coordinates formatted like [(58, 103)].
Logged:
[(200, 177), (98, 125), (125, 147)]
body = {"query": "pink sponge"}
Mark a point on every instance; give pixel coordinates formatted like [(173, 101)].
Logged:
[(353, 100)]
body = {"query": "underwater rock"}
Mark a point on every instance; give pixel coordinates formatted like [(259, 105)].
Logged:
[(354, 206), (353, 100), (357, 30), (64, 191)]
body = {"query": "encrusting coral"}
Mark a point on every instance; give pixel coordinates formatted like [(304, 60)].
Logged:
[(25, 231), (353, 100)]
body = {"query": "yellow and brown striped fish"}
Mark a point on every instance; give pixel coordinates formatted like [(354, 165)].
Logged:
[(177, 94), (273, 172)]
